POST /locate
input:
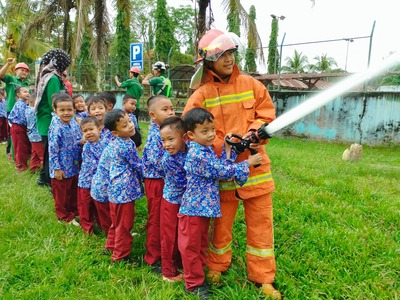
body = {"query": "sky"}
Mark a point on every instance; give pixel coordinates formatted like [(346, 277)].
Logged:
[(326, 20)]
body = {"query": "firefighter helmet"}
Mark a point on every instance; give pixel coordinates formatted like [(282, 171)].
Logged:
[(159, 66), (215, 43)]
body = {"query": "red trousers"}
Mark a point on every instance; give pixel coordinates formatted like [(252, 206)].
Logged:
[(36, 156), (86, 209), (22, 146), (65, 193), (260, 240), (119, 235), (3, 129), (104, 220), (154, 190), (193, 244), (170, 257)]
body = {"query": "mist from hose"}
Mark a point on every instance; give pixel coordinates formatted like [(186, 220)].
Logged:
[(330, 94)]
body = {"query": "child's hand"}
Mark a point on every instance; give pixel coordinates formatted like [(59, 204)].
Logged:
[(82, 142), (255, 159), (10, 60), (228, 147), (59, 174), (253, 146)]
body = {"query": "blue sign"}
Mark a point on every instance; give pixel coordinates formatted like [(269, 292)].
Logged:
[(136, 55)]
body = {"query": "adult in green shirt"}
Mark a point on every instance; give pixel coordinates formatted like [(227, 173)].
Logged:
[(160, 83), (132, 85), (12, 82), (48, 82)]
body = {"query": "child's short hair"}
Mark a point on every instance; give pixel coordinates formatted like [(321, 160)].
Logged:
[(112, 117), (154, 99), (60, 97), (95, 99), (87, 120), (109, 97), (175, 123), (196, 116), (127, 97), (18, 89)]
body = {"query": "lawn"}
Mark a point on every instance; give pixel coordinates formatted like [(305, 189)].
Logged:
[(337, 235)]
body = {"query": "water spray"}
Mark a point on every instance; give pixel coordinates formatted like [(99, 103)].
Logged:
[(267, 130)]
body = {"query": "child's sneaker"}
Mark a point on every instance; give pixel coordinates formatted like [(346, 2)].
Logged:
[(74, 222), (156, 267), (176, 278)]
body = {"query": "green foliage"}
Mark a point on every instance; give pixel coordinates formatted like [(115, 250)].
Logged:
[(250, 56), (392, 79), (337, 235), (122, 42), (182, 19), (273, 55), (296, 64), (323, 64), (165, 39)]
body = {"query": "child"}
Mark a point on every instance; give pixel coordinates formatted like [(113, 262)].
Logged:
[(19, 137), (129, 104), (173, 139), (160, 108), (64, 158), (110, 99), (79, 106), (97, 108), (125, 177), (200, 201), (3, 118), (37, 149), (91, 153)]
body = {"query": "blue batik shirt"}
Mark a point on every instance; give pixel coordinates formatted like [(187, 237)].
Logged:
[(91, 154), (64, 147), (106, 134), (175, 176), (203, 171), (152, 153), (133, 119), (33, 133), (17, 114), (81, 114), (101, 179), (126, 172), (3, 109)]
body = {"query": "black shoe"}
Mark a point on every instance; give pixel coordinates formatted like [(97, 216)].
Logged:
[(40, 182), (129, 261), (156, 267), (202, 291)]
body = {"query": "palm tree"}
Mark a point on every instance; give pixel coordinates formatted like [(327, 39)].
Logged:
[(296, 64), (323, 64)]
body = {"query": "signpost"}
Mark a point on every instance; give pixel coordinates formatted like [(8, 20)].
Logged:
[(136, 55)]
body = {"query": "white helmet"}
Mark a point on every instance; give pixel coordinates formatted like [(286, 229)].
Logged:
[(159, 66)]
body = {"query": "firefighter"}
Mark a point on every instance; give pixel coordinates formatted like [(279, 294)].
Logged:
[(240, 104)]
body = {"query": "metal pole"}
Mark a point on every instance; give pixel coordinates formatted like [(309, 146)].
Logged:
[(370, 43)]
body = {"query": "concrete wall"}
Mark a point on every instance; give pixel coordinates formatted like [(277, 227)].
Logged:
[(366, 118)]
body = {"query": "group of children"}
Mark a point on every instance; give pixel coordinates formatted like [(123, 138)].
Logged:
[(97, 175)]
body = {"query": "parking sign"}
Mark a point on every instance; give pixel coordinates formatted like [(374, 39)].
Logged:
[(136, 55)]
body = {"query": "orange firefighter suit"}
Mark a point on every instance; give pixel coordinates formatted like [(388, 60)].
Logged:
[(240, 105)]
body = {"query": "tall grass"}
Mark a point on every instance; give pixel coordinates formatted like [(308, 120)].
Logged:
[(337, 235)]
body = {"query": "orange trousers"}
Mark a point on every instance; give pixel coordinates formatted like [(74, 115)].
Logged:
[(260, 257)]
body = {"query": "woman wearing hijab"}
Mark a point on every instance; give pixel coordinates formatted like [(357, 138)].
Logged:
[(48, 82)]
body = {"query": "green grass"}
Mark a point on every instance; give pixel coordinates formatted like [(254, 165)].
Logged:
[(337, 235)]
